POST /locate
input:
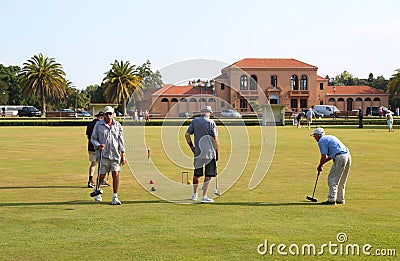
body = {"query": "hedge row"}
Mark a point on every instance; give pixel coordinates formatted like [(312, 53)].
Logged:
[(171, 122)]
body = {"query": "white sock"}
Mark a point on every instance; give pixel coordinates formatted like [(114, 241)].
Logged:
[(115, 195)]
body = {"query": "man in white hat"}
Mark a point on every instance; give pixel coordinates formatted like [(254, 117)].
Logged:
[(205, 150), (332, 148), (108, 139)]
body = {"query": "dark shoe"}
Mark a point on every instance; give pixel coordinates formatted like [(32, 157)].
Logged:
[(90, 184), (328, 202), (340, 202)]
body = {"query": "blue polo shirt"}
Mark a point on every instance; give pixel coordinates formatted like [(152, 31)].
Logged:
[(331, 146)]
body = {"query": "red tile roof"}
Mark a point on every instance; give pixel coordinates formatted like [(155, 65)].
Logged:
[(354, 90), (183, 90), (319, 78), (271, 63)]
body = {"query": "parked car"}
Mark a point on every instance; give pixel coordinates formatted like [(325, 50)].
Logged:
[(83, 114), (29, 111), (66, 110), (186, 114), (375, 111), (326, 110), (230, 113)]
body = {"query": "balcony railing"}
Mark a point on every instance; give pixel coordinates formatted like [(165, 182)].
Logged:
[(299, 93)]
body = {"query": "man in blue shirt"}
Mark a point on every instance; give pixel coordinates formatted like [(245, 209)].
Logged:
[(205, 150), (332, 148)]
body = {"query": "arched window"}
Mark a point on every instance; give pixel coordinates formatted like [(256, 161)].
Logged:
[(377, 99), (340, 100), (192, 100), (331, 100), (243, 82), (274, 81), (164, 100), (211, 100), (368, 99), (358, 100), (183, 100), (253, 83), (294, 82), (349, 104), (303, 83), (202, 100), (174, 100)]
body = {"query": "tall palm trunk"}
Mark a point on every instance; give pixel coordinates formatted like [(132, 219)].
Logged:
[(124, 106), (43, 99)]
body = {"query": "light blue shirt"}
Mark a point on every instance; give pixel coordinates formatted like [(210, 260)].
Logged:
[(113, 138), (204, 130), (331, 146)]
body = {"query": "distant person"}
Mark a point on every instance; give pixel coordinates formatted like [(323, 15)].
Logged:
[(205, 150), (108, 139), (397, 111), (298, 118), (309, 115), (360, 117), (389, 119), (91, 150), (332, 148), (147, 116)]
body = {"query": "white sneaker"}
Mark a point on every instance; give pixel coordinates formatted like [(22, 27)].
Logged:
[(195, 197), (206, 199), (98, 198), (115, 201)]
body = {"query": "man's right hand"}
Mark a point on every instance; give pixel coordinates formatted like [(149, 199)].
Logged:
[(101, 147)]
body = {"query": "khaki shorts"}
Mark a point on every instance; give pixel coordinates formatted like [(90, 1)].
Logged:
[(92, 156), (108, 165)]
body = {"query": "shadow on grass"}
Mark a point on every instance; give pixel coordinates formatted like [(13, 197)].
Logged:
[(264, 204), (41, 187), (91, 202), (75, 202)]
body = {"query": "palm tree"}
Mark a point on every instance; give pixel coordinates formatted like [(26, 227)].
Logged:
[(120, 82), (394, 86), (43, 78)]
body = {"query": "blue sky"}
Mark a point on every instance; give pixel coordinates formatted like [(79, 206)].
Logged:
[(86, 36)]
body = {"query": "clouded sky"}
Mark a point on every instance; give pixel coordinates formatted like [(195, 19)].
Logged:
[(86, 36)]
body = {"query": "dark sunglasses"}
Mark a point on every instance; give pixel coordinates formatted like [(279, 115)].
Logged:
[(108, 113)]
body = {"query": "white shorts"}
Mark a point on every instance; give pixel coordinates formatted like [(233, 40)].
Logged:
[(108, 165)]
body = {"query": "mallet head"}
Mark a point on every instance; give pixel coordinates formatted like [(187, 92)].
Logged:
[(311, 199)]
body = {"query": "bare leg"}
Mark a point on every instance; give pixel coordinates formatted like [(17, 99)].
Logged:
[(196, 181), (206, 185), (115, 176)]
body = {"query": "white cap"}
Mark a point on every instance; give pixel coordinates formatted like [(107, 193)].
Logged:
[(108, 109), (206, 109), (319, 131)]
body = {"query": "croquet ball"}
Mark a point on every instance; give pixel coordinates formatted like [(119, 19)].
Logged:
[(153, 188), (151, 181), (189, 182)]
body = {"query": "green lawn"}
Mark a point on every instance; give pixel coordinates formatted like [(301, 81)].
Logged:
[(47, 213)]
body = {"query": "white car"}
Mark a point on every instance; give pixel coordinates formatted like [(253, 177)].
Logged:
[(230, 113)]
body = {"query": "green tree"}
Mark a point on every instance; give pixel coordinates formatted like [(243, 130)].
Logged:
[(394, 87), (121, 81), (10, 77), (3, 93), (43, 78), (95, 93), (380, 83), (346, 79)]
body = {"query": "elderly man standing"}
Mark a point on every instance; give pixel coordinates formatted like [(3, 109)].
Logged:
[(108, 140), (332, 148), (205, 150)]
